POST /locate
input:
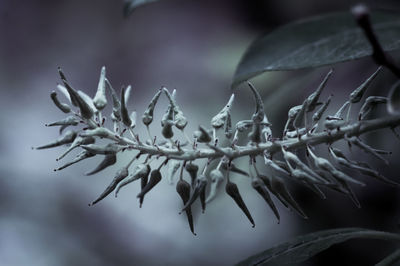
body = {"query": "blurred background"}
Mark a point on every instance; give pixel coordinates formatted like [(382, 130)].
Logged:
[(193, 46)]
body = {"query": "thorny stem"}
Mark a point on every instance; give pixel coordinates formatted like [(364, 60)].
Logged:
[(355, 129)]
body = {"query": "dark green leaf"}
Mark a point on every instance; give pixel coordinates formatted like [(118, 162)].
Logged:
[(304, 247), (316, 41), (391, 259)]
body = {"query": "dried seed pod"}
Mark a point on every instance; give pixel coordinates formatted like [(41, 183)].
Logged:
[(233, 168), (233, 191), (277, 166), (183, 189), (339, 153), (292, 113), (86, 98), (155, 178), (143, 182), (140, 171), (100, 132), (62, 106), (76, 143), (312, 100), (68, 137), (180, 120), (192, 169), (301, 114), (341, 160), (202, 181), (228, 126), (77, 100), (198, 190), (80, 157), (147, 117), (64, 90), (116, 102), (217, 178), (124, 111), (258, 185), (68, 121), (267, 182), (110, 148), (173, 166), (100, 100), (133, 119), (341, 111), (324, 164), (266, 131), (318, 114), (167, 131), (203, 135), (167, 122), (243, 125), (349, 191), (119, 176), (357, 94), (370, 103), (280, 188), (366, 148), (108, 160), (314, 188), (302, 171), (219, 119), (258, 115), (255, 134)]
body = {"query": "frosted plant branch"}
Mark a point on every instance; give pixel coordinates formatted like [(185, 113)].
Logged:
[(307, 126)]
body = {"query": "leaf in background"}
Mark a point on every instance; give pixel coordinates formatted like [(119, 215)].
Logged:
[(393, 105), (391, 259), (131, 5), (304, 247), (316, 41)]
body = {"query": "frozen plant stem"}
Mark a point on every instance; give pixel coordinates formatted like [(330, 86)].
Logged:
[(176, 153)]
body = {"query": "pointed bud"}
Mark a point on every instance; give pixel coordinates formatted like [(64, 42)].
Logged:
[(76, 143), (68, 121), (218, 120), (119, 176), (198, 189), (183, 189), (202, 135), (62, 106), (108, 160), (258, 185), (116, 102), (155, 178), (110, 148), (124, 111), (173, 166), (80, 157), (147, 117), (67, 138), (357, 94), (140, 171), (233, 191), (100, 100), (192, 169), (217, 178)]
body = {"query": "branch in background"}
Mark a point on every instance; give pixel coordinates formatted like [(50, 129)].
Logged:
[(361, 14)]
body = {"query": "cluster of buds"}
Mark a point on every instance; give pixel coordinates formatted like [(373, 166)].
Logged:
[(290, 157)]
